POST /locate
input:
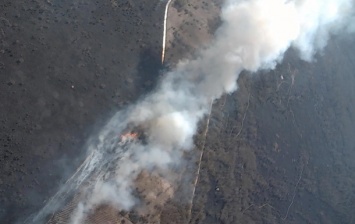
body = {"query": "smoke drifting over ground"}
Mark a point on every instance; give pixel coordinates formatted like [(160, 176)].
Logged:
[(254, 35)]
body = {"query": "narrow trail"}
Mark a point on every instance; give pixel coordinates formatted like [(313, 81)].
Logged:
[(294, 194), (208, 118), (164, 32), (199, 163)]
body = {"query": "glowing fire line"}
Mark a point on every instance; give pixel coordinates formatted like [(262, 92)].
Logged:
[(130, 136)]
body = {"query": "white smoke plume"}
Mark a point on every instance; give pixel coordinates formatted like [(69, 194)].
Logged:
[(254, 35)]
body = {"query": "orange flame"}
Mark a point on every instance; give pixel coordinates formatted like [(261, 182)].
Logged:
[(129, 136)]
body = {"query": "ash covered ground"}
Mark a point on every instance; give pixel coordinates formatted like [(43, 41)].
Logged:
[(279, 150)]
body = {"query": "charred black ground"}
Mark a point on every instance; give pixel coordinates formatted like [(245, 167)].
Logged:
[(65, 67)]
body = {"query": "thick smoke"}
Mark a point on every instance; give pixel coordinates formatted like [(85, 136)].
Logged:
[(254, 35)]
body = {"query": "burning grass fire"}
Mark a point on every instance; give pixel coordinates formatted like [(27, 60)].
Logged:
[(159, 128), (128, 137)]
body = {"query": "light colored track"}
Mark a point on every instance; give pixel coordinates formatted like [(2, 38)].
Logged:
[(164, 32), (199, 163)]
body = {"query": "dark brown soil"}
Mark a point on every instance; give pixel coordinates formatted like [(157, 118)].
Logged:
[(283, 153)]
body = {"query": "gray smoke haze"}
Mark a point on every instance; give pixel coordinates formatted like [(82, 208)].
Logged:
[(254, 35)]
